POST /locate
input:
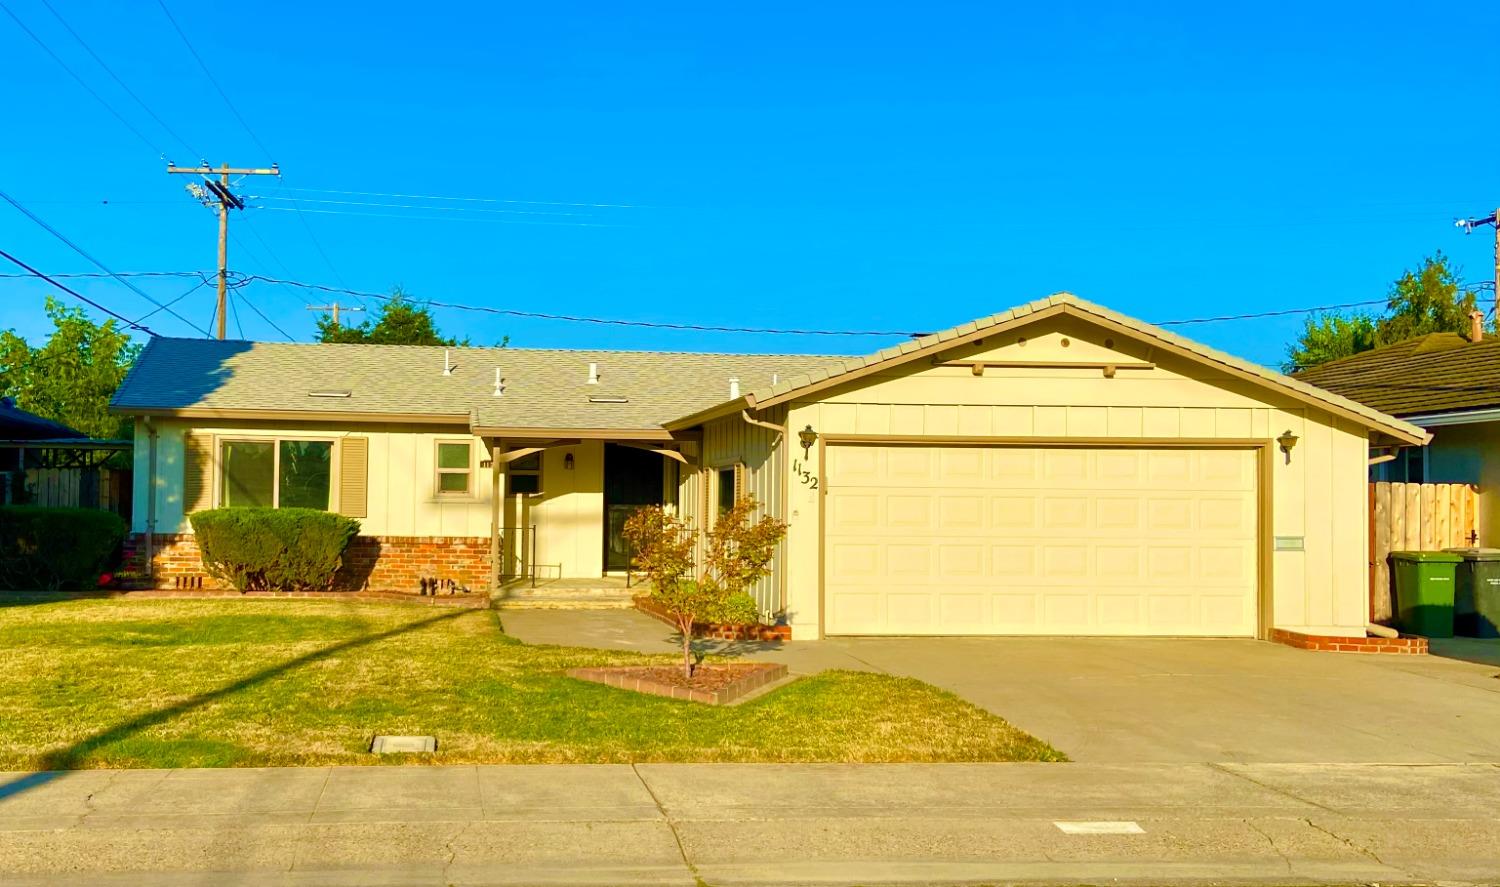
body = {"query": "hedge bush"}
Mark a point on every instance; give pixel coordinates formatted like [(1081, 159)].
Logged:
[(52, 548), (273, 549)]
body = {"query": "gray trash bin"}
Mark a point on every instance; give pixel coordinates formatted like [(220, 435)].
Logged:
[(1476, 593)]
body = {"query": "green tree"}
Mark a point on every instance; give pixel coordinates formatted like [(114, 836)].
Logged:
[(71, 378), (398, 321), (1421, 301)]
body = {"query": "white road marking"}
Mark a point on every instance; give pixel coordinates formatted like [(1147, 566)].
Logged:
[(1099, 828)]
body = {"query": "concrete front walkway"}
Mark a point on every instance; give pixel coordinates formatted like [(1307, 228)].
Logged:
[(1155, 700), (752, 825)]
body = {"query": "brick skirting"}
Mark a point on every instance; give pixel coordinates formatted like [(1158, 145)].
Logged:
[(768, 633), (1412, 646), (383, 563)]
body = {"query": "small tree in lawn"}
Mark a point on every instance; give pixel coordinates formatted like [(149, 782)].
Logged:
[(737, 554)]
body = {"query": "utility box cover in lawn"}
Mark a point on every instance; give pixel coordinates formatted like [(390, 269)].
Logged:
[(1476, 593), (1424, 591)]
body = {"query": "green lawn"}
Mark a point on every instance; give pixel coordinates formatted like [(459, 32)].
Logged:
[(225, 683)]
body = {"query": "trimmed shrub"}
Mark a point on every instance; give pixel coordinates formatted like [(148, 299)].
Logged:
[(273, 549), (52, 548)]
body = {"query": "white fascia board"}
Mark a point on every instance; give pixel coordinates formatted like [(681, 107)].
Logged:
[(1463, 417)]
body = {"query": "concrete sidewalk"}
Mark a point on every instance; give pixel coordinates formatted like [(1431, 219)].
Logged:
[(745, 824)]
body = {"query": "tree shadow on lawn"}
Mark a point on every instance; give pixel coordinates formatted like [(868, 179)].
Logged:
[(57, 763)]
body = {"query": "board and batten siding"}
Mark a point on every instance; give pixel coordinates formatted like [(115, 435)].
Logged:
[(733, 441), (1318, 496), (400, 494)]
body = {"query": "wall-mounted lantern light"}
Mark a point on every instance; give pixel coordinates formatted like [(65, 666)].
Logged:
[(1287, 440), (808, 437), (567, 461)]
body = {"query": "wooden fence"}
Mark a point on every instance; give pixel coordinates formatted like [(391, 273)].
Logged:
[(1415, 517), (104, 488)]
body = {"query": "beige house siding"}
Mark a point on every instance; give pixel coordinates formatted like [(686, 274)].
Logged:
[(568, 516), (401, 494), (733, 441), (1319, 496)]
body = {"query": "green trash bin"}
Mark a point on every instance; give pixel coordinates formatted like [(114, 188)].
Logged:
[(1424, 591), (1476, 593)]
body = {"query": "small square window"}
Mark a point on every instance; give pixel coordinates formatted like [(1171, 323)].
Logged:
[(453, 468), (727, 493)]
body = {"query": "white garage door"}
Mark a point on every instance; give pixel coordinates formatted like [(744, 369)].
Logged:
[(1047, 540)]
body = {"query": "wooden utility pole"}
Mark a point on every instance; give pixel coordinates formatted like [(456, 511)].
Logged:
[(217, 195), (333, 309)]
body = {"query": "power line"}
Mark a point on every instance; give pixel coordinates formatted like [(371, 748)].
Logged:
[(1280, 313), (32, 272), (81, 82), (78, 249), (342, 212), (251, 305), (210, 75), (464, 199), (197, 286), (86, 274), (235, 311), (110, 71), (425, 207)]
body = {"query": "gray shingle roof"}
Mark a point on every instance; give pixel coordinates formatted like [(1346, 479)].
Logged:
[(544, 388), (1439, 372)]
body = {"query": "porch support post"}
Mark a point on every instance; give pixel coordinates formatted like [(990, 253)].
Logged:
[(497, 499)]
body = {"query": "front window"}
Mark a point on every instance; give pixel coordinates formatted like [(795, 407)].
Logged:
[(726, 489), (453, 472), (276, 473)]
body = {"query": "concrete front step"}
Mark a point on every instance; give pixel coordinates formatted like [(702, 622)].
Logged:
[(570, 600)]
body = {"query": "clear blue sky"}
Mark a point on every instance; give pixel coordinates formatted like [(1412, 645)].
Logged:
[(905, 166)]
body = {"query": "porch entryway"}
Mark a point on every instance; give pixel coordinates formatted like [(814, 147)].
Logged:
[(632, 479)]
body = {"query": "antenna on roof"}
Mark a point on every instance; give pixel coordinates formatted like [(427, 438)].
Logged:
[(499, 383)]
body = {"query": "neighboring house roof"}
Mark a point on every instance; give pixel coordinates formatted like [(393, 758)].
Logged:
[(543, 388), (1435, 373), (839, 373), (548, 390), (18, 424)]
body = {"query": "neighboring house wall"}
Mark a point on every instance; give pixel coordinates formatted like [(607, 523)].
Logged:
[(733, 441), (1319, 496), (1470, 454)]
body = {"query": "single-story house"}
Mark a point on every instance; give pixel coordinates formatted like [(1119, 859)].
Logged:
[(44, 462), (1055, 469), (1446, 383)]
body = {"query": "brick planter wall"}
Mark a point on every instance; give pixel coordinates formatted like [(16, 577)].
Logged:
[(769, 633), (1412, 646), (384, 563)]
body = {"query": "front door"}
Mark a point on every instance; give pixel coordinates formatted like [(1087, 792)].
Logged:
[(632, 478)]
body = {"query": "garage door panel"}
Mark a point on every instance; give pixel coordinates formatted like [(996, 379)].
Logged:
[(980, 540)]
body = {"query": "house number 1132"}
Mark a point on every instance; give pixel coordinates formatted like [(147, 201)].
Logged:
[(804, 475)]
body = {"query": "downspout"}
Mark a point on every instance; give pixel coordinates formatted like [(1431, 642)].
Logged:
[(780, 431), (150, 500), (1381, 631)]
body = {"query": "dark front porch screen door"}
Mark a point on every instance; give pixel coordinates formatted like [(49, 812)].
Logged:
[(632, 478)]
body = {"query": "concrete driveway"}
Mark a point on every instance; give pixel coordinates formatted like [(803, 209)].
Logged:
[(1156, 700)]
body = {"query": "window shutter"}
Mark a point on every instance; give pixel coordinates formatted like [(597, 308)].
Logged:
[(739, 481), (197, 473), (354, 476)]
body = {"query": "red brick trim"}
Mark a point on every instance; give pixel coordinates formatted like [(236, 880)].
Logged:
[(378, 563), (1406, 644), (755, 676), (717, 631)]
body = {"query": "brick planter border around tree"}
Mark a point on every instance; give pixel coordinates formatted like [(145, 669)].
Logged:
[(627, 677), (717, 631)]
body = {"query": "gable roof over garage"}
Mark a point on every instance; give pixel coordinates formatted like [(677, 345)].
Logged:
[(837, 373)]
